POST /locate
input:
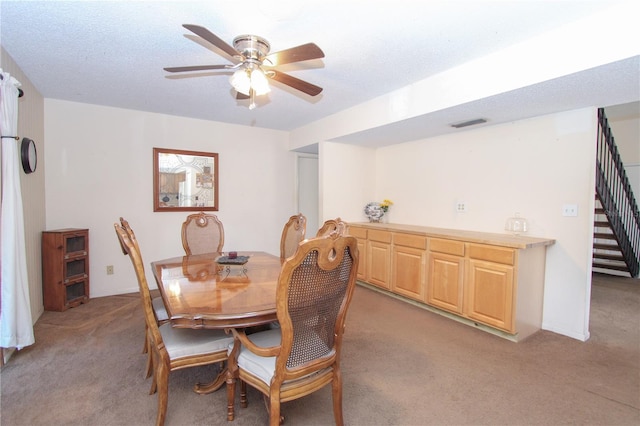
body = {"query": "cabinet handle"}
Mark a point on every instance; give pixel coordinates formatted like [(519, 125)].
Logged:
[(66, 281)]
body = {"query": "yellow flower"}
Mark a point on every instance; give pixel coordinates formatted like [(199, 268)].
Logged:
[(386, 204)]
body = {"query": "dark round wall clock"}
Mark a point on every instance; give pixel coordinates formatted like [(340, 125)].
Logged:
[(29, 155)]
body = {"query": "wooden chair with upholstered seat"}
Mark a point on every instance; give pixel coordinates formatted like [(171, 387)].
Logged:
[(292, 233), (303, 355), (159, 309), (171, 348), (332, 225), (202, 233)]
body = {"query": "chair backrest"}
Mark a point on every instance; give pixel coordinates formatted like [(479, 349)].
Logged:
[(292, 233), (313, 294), (202, 233), (129, 243), (332, 225)]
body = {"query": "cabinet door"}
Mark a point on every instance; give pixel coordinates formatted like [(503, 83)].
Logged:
[(408, 272), (379, 264), (489, 294), (445, 282), (361, 236), (362, 260)]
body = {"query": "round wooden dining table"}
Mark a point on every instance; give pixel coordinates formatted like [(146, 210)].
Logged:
[(199, 291)]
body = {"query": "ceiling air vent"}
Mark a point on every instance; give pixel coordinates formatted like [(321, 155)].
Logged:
[(469, 123)]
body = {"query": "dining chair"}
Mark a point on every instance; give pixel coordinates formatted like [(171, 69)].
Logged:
[(292, 233), (202, 233), (159, 309), (172, 348), (332, 225), (303, 355)]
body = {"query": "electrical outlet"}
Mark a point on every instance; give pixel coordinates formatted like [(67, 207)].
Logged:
[(461, 206), (109, 269), (570, 210)]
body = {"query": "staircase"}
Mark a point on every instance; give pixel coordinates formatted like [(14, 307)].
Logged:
[(616, 229)]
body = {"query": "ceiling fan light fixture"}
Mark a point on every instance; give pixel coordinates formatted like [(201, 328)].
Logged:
[(259, 82), (241, 81)]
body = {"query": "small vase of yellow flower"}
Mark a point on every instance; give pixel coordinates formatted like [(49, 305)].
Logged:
[(376, 211)]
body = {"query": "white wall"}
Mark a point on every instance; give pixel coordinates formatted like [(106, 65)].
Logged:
[(532, 166), (347, 180), (99, 167)]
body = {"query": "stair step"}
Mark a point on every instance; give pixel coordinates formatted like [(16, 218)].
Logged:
[(610, 266), (611, 247), (602, 256), (602, 224), (604, 236)]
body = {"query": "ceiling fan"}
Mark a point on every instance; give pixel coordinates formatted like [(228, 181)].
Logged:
[(254, 65)]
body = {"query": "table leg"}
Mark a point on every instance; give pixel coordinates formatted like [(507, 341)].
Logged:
[(206, 388)]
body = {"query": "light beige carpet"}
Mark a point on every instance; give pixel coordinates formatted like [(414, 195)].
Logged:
[(402, 365)]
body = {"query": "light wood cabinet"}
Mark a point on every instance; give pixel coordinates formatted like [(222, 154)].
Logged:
[(489, 292), (65, 268), (361, 236), (490, 286), (378, 268), (409, 265), (491, 280)]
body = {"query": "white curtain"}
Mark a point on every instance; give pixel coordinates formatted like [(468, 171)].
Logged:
[(16, 329)]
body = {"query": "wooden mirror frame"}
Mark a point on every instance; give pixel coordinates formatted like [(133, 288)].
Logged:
[(204, 186)]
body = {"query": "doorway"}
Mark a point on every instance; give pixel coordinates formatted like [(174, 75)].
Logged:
[(308, 190)]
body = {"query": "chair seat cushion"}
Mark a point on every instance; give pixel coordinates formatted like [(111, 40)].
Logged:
[(160, 310), (183, 342), (260, 366)]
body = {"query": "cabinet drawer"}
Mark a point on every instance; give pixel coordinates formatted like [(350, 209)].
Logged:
[(455, 248), (358, 232), (380, 236), (409, 240), (492, 254)]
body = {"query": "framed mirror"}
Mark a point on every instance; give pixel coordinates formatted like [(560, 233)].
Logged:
[(184, 180)]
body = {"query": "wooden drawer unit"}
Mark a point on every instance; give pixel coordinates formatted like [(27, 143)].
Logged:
[(455, 248), (492, 254), (65, 268), (359, 233), (380, 236), (409, 240)]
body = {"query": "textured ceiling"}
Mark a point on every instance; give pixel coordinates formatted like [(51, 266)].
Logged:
[(113, 54)]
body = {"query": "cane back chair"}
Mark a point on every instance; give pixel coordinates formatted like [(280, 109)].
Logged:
[(303, 355), (292, 233), (332, 225), (171, 348), (202, 233)]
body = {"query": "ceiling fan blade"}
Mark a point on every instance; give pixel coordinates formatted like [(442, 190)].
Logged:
[(213, 39), (198, 68), (296, 83), (300, 53)]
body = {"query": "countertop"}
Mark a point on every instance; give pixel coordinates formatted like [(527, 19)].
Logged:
[(505, 240)]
